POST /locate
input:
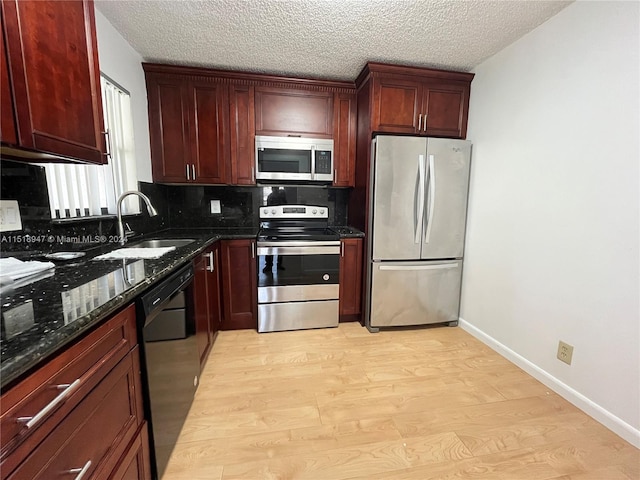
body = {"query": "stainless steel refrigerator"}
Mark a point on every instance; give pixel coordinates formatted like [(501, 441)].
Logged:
[(417, 218)]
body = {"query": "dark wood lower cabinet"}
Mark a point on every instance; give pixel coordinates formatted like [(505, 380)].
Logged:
[(201, 308), (206, 299), (351, 277), (96, 426), (239, 289), (134, 464)]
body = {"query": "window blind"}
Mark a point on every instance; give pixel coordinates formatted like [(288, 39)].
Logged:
[(77, 191)]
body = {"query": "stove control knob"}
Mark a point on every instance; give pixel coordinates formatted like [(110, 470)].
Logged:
[(322, 211), (314, 211), (265, 211), (273, 211)]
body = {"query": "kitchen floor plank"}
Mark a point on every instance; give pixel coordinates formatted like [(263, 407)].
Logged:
[(342, 403)]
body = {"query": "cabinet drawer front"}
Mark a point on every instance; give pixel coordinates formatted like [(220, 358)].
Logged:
[(95, 434), (35, 406), (135, 463)]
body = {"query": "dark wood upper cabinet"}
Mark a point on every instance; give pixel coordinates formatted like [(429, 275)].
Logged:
[(8, 133), (188, 127), (239, 285), (396, 105), (344, 139), (351, 276), (293, 111), (243, 132), (209, 126), (55, 80), (418, 101)]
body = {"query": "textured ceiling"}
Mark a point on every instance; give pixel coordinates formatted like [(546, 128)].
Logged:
[(323, 38)]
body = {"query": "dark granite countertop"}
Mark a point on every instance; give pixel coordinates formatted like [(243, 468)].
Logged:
[(346, 231), (40, 318)]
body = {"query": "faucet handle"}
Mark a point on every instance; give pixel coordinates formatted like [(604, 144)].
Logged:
[(127, 231)]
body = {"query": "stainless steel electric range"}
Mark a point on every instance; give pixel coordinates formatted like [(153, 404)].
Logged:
[(298, 269)]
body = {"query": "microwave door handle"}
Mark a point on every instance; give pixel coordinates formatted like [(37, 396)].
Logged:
[(313, 162)]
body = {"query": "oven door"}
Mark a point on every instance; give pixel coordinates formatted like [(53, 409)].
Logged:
[(298, 285)]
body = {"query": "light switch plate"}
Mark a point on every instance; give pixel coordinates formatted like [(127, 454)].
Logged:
[(10, 216), (215, 206)]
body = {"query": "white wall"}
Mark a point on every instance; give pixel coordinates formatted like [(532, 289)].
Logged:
[(120, 62), (553, 229)]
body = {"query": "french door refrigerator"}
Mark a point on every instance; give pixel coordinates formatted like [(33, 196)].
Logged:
[(417, 218)]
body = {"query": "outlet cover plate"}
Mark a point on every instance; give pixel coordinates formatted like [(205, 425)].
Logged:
[(215, 206), (10, 216), (565, 352)]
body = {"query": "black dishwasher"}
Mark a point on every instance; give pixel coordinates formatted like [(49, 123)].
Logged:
[(171, 362)]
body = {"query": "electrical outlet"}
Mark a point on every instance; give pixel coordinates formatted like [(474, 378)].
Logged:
[(10, 216), (215, 206), (565, 352)]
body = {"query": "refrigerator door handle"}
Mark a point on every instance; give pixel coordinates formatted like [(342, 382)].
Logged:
[(432, 198), (418, 267), (420, 200)]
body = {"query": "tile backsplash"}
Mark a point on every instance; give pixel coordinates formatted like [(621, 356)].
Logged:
[(179, 206)]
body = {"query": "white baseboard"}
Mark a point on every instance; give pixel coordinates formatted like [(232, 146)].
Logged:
[(609, 420)]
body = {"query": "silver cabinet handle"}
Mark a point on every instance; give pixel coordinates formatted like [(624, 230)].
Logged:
[(107, 143), (253, 249), (335, 174), (188, 177), (342, 249), (253, 173), (67, 389), (81, 471), (193, 170), (210, 267), (419, 122), (420, 199), (432, 198), (424, 125)]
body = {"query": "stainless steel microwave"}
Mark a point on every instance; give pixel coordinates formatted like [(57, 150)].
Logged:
[(294, 159)]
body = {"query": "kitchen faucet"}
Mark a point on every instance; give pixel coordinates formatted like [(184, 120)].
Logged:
[(152, 212)]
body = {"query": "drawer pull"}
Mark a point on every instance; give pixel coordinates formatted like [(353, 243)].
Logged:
[(80, 471), (67, 389)]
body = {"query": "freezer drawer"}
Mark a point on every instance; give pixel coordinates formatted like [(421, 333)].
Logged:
[(414, 293)]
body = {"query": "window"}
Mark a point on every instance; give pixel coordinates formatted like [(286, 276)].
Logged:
[(77, 191)]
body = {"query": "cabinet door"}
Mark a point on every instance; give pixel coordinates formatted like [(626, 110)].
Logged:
[(242, 126), (201, 307), (213, 289), (53, 60), (168, 128), (396, 104), (344, 136), (208, 127), (135, 463), (240, 295), (8, 133), (445, 110), (114, 409), (293, 112), (350, 276)]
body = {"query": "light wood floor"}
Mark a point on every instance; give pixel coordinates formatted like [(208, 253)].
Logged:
[(342, 403)]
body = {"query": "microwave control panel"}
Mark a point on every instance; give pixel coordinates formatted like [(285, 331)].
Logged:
[(323, 161)]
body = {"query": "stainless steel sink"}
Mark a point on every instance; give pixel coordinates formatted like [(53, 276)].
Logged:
[(162, 242)]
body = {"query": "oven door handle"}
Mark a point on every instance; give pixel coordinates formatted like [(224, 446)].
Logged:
[(319, 250), (299, 243)]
